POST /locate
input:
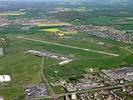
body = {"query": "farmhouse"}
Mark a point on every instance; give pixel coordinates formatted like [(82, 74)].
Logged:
[(5, 78)]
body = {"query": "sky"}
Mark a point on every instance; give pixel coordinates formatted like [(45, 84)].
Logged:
[(74, 0), (66, 0)]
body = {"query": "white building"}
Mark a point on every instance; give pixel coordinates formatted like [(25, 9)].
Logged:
[(129, 74), (65, 62), (5, 78), (73, 96), (1, 51), (1, 98)]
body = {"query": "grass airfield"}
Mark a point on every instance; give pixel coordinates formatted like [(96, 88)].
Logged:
[(25, 68)]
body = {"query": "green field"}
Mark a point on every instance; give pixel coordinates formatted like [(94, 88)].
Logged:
[(12, 13), (101, 15)]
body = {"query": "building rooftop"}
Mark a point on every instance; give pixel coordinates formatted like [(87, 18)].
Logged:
[(5, 78)]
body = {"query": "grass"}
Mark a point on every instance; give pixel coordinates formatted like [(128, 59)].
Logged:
[(24, 69), (55, 31)]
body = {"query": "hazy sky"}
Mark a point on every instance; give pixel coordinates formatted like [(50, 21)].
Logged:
[(64, 0), (72, 0)]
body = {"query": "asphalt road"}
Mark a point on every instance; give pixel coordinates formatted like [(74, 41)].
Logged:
[(67, 46), (45, 79)]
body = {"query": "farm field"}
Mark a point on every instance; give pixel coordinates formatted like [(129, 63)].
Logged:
[(56, 31), (55, 28), (52, 30), (101, 15), (12, 13)]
